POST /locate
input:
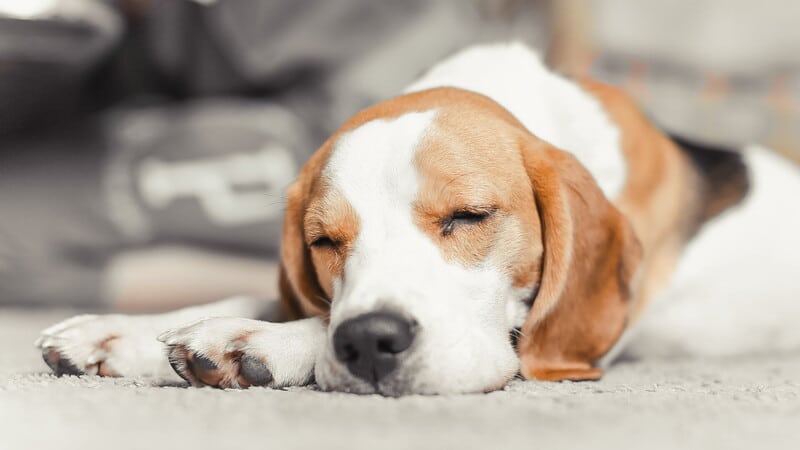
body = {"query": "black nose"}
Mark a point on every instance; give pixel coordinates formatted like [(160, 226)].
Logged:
[(370, 344)]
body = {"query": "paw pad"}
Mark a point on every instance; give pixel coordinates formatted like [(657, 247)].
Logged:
[(230, 370)]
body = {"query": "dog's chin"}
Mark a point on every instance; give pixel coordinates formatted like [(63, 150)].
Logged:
[(392, 388), (332, 376), (387, 388), (410, 380)]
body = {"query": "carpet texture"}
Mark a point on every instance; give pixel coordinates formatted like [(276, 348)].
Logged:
[(741, 403)]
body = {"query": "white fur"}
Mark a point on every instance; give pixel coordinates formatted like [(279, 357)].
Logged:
[(737, 288), (464, 321), (134, 351), (550, 106)]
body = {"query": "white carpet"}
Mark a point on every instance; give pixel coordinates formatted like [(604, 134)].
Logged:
[(749, 403)]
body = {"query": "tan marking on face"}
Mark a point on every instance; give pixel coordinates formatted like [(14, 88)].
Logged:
[(330, 215), (299, 284), (470, 162)]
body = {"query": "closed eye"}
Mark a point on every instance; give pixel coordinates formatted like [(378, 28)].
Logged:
[(464, 218), (324, 242)]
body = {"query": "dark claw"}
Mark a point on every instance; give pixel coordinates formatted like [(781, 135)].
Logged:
[(255, 371), (60, 366), (177, 368)]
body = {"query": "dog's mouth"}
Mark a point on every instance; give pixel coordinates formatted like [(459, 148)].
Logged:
[(403, 389), (393, 390), (405, 381), (399, 382)]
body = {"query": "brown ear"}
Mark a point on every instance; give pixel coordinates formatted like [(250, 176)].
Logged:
[(590, 256), (300, 290)]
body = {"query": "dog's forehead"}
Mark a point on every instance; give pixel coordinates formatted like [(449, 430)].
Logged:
[(374, 163)]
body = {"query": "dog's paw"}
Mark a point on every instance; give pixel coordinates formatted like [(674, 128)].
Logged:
[(111, 345), (240, 353)]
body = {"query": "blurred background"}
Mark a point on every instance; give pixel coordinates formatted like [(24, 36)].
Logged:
[(145, 145)]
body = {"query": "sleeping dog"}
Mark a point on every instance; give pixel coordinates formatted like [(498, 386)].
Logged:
[(496, 219)]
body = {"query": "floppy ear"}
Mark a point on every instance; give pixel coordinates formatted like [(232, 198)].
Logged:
[(301, 293), (590, 256)]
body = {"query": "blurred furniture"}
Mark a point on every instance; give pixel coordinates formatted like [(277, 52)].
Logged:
[(724, 71)]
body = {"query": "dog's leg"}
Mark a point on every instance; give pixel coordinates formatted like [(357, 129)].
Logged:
[(239, 353), (126, 345)]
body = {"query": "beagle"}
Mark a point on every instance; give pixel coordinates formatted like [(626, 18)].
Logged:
[(496, 219)]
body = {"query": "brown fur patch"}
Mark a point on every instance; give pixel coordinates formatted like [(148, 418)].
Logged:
[(471, 162), (102, 368), (300, 288), (660, 194), (331, 216), (590, 257)]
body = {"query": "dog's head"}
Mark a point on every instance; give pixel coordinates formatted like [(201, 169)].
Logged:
[(432, 226)]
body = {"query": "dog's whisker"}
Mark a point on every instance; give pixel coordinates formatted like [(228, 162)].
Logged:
[(324, 300)]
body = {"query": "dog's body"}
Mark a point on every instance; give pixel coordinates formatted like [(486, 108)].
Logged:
[(493, 196)]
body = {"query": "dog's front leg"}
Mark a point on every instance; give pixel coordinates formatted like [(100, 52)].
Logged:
[(239, 353), (126, 345)]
